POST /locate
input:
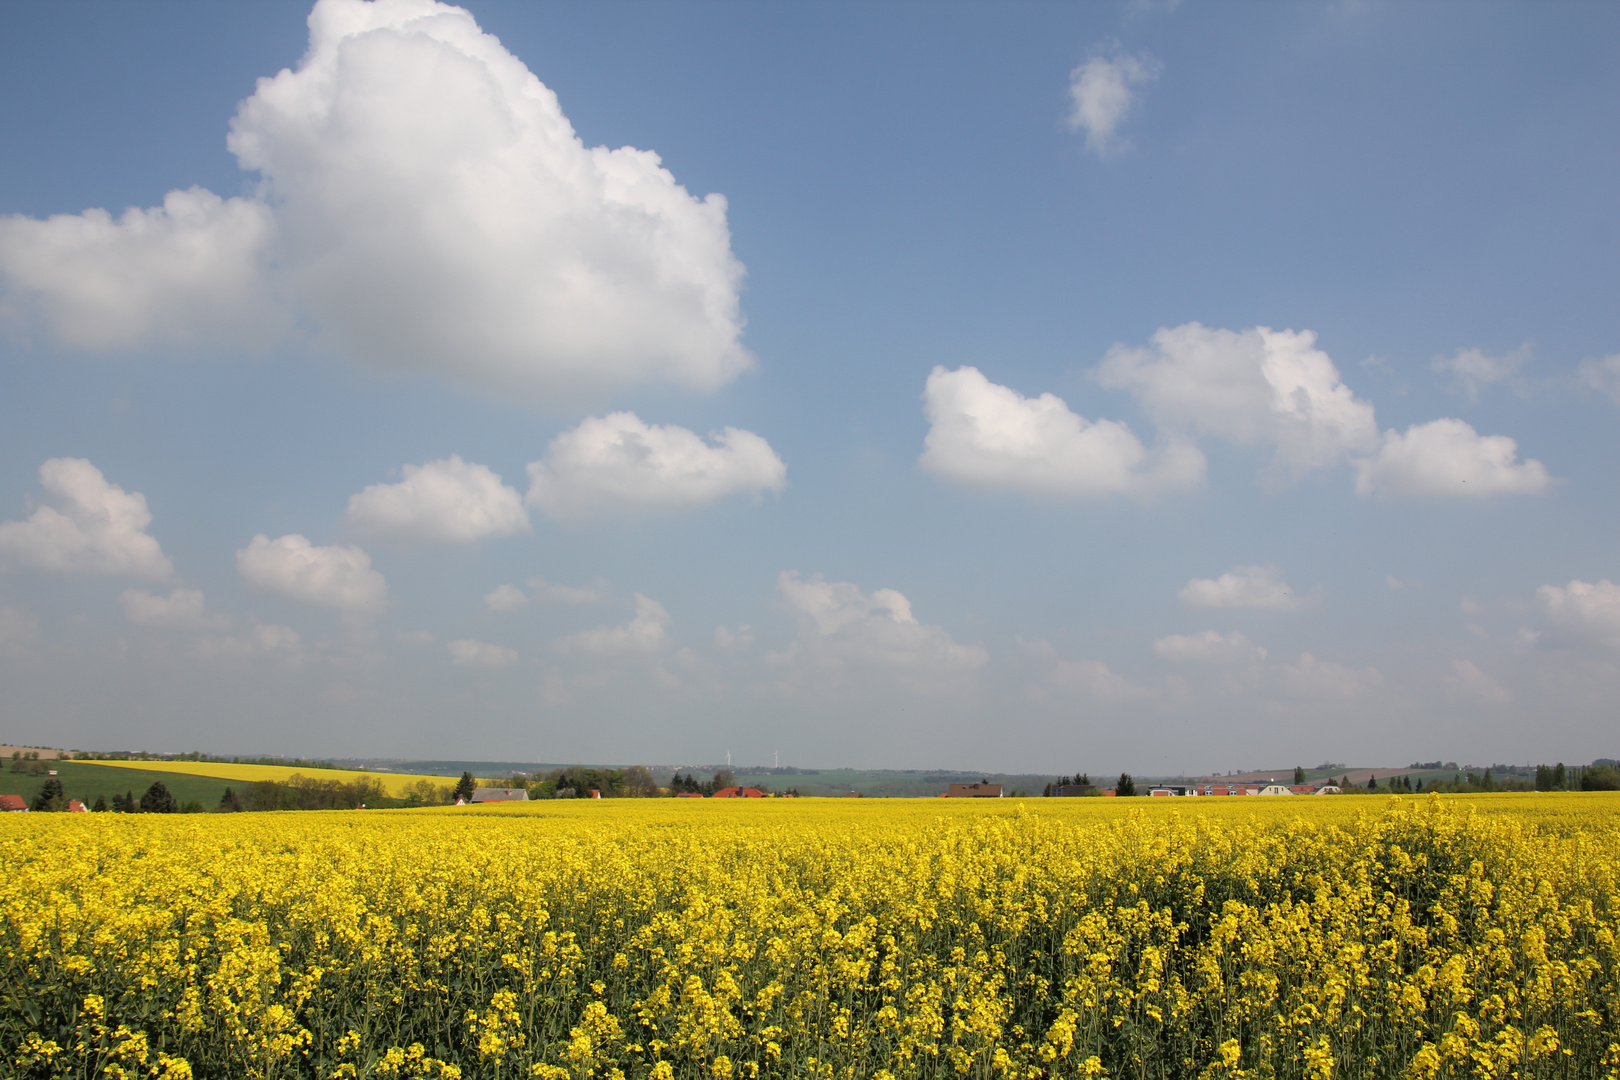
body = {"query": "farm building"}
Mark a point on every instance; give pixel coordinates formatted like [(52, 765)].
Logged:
[(13, 803), (974, 791), (500, 794), (739, 793)]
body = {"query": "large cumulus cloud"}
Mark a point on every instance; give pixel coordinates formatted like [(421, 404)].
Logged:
[(426, 205)]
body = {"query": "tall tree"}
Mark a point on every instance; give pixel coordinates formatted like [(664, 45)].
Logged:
[(465, 787), (51, 797), (158, 800), (229, 803), (1126, 786), (1299, 774)]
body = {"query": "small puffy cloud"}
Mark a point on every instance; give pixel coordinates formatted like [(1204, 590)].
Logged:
[(1103, 90), (18, 629), (1448, 459), (1603, 376), (1583, 612), (992, 437), (334, 577), (1257, 387), (1248, 588), (449, 501), (261, 640), (840, 626), (87, 525), (565, 594), (1395, 584), (480, 654), (427, 207), (505, 598), (188, 273), (419, 638), (1467, 683), (182, 609), (1472, 369), (1209, 647), (617, 462), (738, 640), (645, 634)]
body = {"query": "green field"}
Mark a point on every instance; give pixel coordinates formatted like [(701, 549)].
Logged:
[(87, 779)]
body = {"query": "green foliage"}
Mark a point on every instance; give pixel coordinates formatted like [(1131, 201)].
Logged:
[(1601, 778), (465, 787), (51, 797), (158, 800), (300, 792), (1126, 786)]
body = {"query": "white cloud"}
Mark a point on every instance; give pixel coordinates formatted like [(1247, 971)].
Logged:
[(448, 501), (481, 654), (18, 629), (1603, 376), (840, 627), (331, 577), (1467, 683), (565, 594), (989, 436), (182, 609), (1248, 588), (617, 462), (1313, 678), (738, 640), (261, 640), (1135, 8), (190, 272), (1448, 459), (1096, 680), (86, 526), (419, 638), (1584, 612), (1472, 369), (505, 598), (1254, 387), (1103, 93), (429, 209), (1209, 647), (647, 633)]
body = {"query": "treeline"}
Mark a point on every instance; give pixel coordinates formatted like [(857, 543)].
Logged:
[(28, 762), (198, 755), (297, 792), (157, 799)]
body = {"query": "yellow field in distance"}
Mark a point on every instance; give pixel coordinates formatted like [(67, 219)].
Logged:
[(394, 783)]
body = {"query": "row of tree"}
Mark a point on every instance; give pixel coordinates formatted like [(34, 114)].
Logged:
[(52, 797)]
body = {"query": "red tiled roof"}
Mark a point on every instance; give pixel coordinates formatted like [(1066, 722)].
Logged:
[(12, 802)]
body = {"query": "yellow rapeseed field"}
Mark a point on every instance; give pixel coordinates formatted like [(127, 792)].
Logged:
[(1226, 938), (394, 783)]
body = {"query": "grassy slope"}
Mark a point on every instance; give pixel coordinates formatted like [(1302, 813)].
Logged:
[(85, 780)]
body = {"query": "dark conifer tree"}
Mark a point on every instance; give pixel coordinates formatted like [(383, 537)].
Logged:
[(465, 787), (51, 797), (158, 800)]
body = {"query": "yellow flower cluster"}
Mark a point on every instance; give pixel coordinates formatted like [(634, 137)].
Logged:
[(1232, 939)]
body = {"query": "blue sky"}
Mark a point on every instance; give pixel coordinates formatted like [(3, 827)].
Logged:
[(1173, 387)]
